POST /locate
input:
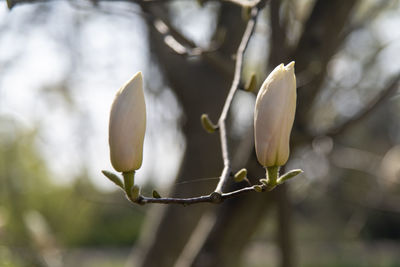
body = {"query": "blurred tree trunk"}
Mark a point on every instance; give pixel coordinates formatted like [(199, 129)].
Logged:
[(320, 40), (238, 219), (200, 88)]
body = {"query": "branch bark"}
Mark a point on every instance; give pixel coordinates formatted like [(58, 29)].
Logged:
[(200, 88), (228, 237)]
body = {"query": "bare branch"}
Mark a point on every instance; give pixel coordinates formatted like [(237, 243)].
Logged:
[(369, 16), (174, 40), (171, 36), (181, 44), (178, 43), (211, 198), (226, 173), (218, 196), (371, 106), (244, 3)]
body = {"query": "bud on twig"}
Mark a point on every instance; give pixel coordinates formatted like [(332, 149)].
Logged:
[(258, 188), (127, 126), (240, 175), (274, 115), (156, 194), (289, 175), (207, 124)]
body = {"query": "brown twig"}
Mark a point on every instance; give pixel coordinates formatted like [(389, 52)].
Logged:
[(218, 196), (182, 45), (174, 39), (211, 198), (234, 87), (171, 39), (185, 47), (244, 3)]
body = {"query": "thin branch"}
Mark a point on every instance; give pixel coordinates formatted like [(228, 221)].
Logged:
[(234, 87), (369, 16), (211, 198), (371, 106), (217, 196), (186, 47), (179, 43), (244, 3), (171, 37)]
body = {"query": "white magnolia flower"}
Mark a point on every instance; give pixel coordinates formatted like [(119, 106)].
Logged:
[(274, 115), (127, 126)]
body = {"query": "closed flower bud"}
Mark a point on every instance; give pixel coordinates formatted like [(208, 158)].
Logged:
[(127, 126), (274, 115)]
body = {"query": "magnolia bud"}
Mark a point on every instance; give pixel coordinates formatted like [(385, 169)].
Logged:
[(274, 115), (127, 126)]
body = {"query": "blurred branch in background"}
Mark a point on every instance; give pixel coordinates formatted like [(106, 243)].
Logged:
[(346, 133), (217, 196), (383, 95)]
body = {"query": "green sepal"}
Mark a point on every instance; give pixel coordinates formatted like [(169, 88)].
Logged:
[(272, 174), (135, 192), (289, 175), (269, 183), (113, 178), (129, 179), (240, 175)]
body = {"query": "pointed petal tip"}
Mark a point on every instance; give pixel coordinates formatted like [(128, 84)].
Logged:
[(290, 66), (138, 75)]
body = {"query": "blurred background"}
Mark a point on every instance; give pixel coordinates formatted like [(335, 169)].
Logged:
[(61, 63)]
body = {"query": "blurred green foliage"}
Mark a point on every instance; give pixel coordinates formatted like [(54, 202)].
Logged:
[(71, 215)]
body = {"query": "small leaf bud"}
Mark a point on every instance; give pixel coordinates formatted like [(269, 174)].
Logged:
[(207, 124), (289, 175), (258, 188), (156, 194), (240, 175)]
